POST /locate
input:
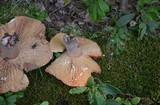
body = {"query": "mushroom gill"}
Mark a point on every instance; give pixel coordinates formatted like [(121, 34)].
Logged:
[(22, 46), (74, 66)]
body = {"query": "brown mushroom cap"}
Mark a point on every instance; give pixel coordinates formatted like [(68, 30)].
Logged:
[(34, 54), (75, 66), (25, 28), (89, 47), (73, 71), (30, 51), (34, 48)]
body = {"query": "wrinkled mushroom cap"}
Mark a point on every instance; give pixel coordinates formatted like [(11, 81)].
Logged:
[(34, 48), (89, 47), (75, 66), (22, 46), (34, 54)]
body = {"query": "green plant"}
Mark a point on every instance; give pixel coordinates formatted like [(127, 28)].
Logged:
[(97, 8), (117, 31), (133, 101), (148, 17), (10, 98), (118, 36), (39, 14), (97, 93)]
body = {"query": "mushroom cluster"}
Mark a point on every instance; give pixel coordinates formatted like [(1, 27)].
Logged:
[(75, 65), (23, 46)]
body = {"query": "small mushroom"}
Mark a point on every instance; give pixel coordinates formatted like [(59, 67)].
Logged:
[(75, 65), (22, 46)]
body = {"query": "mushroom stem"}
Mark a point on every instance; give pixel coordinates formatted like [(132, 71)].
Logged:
[(72, 45), (9, 46)]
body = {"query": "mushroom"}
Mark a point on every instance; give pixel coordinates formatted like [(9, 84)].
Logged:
[(75, 65), (23, 46)]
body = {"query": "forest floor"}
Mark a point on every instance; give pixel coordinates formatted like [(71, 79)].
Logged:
[(135, 72)]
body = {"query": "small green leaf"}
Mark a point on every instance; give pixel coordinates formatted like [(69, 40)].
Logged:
[(8, 94), (45, 103), (90, 81), (11, 99), (121, 46), (57, 54), (142, 33), (97, 98), (109, 89), (90, 96), (146, 17), (20, 94), (97, 8), (78, 90), (2, 101), (153, 11), (100, 14), (112, 102), (93, 11), (126, 102), (142, 2), (152, 26), (119, 99), (135, 100), (1, 98), (122, 34), (142, 25), (125, 19), (103, 6)]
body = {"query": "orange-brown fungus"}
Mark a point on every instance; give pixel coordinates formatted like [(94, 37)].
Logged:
[(22, 47), (75, 66)]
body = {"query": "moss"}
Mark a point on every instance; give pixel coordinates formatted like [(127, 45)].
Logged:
[(50, 89), (8, 11), (136, 71)]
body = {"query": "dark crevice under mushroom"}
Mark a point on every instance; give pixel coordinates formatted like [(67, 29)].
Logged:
[(9, 46)]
